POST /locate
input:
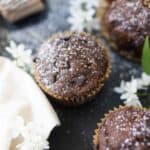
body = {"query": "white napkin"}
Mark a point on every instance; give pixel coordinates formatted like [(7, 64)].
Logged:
[(20, 96)]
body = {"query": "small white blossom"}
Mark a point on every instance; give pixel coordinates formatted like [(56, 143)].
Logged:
[(32, 134), (82, 15), (129, 96), (80, 23), (120, 89), (93, 25), (145, 79), (131, 87), (92, 4), (84, 4), (21, 56), (128, 90), (133, 101)]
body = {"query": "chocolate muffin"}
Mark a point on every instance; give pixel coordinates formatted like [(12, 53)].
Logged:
[(126, 23), (72, 67), (126, 128)]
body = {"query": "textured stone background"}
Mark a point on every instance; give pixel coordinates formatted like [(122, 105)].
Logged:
[(78, 124)]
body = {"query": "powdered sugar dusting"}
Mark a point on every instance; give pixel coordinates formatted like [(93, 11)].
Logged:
[(71, 60), (125, 129), (133, 15), (139, 133)]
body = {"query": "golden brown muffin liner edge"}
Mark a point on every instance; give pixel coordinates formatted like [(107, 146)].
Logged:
[(74, 101)]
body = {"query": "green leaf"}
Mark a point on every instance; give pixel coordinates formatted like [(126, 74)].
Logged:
[(146, 56)]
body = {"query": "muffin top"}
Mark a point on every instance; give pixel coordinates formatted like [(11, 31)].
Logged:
[(125, 129), (71, 64), (128, 22)]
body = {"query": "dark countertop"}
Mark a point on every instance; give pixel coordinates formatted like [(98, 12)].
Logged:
[(78, 123)]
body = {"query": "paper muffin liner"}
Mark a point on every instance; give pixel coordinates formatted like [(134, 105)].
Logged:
[(99, 124), (76, 100), (104, 4)]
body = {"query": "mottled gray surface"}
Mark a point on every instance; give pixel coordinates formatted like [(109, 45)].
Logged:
[(78, 124)]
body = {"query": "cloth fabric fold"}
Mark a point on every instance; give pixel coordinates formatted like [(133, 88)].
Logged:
[(21, 97)]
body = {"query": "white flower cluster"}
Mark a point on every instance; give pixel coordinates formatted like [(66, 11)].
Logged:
[(21, 56), (32, 135), (83, 15), (128, 90)]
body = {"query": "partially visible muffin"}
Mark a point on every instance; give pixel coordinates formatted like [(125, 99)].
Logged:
[(126, 128), (126, 24), (72, 67)]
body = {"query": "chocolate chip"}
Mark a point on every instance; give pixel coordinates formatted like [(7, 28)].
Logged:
[(65, 38), (53, 78), (79, 80), (36, 60), (84, 41)]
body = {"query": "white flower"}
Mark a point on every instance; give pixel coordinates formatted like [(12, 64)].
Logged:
[(128, 90), (120, 89), (77, 24), (131, 87), (127, 87), (83, 14), (129, 96), (83, 4), (32, 134), (86, 15), (79, 20), (22, 57), (92, 3), (133, 102), (93, 25), (145, 79), (131, 99)]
